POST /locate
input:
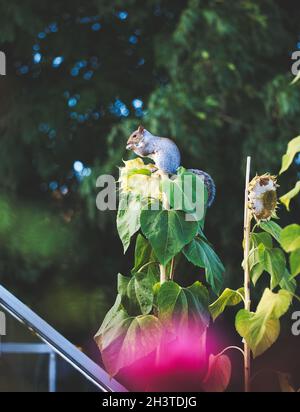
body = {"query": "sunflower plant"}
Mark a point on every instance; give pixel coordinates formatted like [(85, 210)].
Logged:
[(150, 305), (152, 309), (270, 252)]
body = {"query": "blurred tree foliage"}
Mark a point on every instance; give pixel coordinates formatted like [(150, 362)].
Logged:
[(213, 75)]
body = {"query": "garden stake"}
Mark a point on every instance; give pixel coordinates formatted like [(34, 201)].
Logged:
[(247, 225)]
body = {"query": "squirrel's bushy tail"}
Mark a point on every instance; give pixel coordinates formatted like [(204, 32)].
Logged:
[(209, 183)]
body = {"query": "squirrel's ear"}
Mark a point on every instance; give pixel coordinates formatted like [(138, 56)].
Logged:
[(141, 129)]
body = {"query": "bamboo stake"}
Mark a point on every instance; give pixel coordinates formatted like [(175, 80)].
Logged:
[(247, 227)]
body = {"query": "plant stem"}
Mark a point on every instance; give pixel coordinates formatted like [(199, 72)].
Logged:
[(228, 348), (247, 228), (171, 275), (163, 274), (163, 278), (147, 264)]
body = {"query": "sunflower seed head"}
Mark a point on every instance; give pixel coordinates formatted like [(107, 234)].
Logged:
[(262, 195)]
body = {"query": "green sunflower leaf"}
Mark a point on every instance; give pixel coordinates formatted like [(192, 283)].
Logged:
[(201, 254), (295, 262), (126, 339), (167, 231), (128, 218), (286, 199), (185, 307), (292, 149), (290, 238), (228, 298), (261, 329), (272, 228)]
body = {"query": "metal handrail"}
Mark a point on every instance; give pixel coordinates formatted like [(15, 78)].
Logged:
[(93, 372), (36, 349)]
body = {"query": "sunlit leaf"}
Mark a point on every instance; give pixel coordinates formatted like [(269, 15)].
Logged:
[(261, 329), (285, 199), (290, 238), (295, 262), (136, 178), (142, 171), (292, 149), (228, 298)]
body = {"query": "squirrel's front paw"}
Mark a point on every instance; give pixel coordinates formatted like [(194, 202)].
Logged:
[(161, 174)]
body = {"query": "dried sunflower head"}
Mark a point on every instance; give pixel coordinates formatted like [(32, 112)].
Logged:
[(263, 196)]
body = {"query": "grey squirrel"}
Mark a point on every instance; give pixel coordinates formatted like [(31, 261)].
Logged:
[(166, 155)]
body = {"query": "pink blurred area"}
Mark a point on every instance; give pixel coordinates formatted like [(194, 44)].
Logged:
[(178, 365)]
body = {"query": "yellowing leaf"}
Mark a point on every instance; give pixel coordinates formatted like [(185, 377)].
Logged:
[(261, 329), (136, 163), (295, 263), (290, 238), (228, 298), (285, 199), (292, 149)]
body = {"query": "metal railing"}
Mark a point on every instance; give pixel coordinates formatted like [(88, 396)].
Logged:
[(60, 345), (34, 349)]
